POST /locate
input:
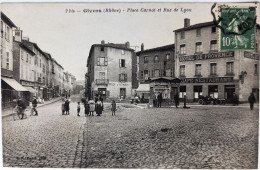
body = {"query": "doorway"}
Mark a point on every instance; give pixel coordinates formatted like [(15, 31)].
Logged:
[(122, 93), (229, 91), (102, 92)]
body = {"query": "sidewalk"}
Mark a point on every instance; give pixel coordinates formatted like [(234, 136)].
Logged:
[(8, 112)]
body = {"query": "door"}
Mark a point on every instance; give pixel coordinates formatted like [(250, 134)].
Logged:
[(122, 93), (174, 91), (229, 91), (102, 92)]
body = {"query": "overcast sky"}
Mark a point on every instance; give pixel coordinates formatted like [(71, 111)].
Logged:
[(68, 36)]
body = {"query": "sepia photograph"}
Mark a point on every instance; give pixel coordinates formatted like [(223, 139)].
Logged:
[(130, 85)]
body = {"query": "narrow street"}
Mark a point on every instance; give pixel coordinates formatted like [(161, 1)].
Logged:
[(200, 137)]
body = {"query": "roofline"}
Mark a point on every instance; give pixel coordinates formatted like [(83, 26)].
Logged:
[(157, 48), (195, 26), (7, 20), (27, 49), (38, 48)]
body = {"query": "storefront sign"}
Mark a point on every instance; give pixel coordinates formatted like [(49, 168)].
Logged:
[(207, 56), (116, 84), (251, 55), (208, 80)]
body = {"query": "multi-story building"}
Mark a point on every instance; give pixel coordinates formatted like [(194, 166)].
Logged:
[(205, 70), (40, 73), (24, 66), (50, 76), (9, 86), (58, 78), (112, 70), (156, 62)]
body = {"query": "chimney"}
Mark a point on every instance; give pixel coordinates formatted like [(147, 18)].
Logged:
[(127, 44), (102, 42), (186, 22), (18, 35), (142, 47)]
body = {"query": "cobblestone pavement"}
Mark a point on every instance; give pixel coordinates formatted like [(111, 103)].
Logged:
[(200, 137)]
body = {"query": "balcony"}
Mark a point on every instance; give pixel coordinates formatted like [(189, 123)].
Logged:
[(102, 81)]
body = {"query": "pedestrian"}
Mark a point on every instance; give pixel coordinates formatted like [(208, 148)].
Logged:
[(96, 98), (101, 99), (113, 108), (86, 105), (63, 105), (34, 105), (176, 100), (91, 103), (99, 107), (251, 100), (67, 107), (21, 105), (160, 100), (78, 108)]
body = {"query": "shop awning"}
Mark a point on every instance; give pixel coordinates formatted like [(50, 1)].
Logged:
[(30, 89), (144, 88), (14, 84)]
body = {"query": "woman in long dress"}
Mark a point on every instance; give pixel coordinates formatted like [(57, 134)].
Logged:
[(99, 107), (91, 103)]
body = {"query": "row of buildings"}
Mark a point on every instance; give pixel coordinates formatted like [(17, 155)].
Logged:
[(117, 71), (27, 70)]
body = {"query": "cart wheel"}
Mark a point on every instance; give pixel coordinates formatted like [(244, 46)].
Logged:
[(201, 101)]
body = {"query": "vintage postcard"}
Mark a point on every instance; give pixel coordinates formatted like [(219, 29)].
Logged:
[(130, 85)]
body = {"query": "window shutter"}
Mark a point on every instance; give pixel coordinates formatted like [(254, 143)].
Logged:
[(105, 61), (119, 62), (125, 77), (98, 61), (119, 78)]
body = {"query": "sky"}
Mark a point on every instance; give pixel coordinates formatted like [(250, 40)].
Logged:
[(68, 36)]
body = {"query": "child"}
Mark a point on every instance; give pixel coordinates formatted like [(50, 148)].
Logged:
[(113, 109), (78, 108)]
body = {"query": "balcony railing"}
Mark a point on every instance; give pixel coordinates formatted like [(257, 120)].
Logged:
[(102, 81)]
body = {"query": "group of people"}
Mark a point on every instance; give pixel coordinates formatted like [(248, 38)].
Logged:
[(158, 98), (65, 106), (21, 106)]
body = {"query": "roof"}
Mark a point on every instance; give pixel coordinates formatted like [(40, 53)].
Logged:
[(7, 20), (48, 54), (173, 79), (166, 47), (200, 25), (117, 46), (22, 45), (36, 46), (57, 63)]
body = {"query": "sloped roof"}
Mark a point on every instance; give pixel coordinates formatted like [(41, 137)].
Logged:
[(36, 46), (7, 20), (173, 79), (166, 47), (195, 26)]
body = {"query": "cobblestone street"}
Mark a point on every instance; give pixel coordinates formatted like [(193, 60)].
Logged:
[(200, 137)]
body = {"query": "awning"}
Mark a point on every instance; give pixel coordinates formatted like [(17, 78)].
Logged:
[(144, 88), (30, 89), (14, 84)]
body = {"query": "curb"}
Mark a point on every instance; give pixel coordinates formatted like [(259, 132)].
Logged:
[(3, 116)]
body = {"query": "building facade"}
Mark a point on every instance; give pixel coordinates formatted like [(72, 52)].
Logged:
[(112, 70), (205, 70), (58, 79)]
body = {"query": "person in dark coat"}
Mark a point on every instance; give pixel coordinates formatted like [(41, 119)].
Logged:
[(34, 105), (99, 107), (101, 99), (160, 100), (86, 106), (251, 100), (22, 106), (67, 107), (176, 100)]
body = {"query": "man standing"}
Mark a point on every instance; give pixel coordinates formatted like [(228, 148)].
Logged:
[(176, 100), (160, 100), (251, 100), (34, 105), (22, 106)]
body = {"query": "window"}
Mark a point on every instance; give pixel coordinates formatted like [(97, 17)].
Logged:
[(213, 29), (182, 35), (40, 63), (2, 59), (213, 91), (183, 49), (198, 70), (182, 91), (142, 75), (255, 69), (123, 52), (27, 58), (36, 60), (197, 91), (230, 68), (168, 72), (2, 29), (102, 61), (213, 68), (167, 56), (156, 59), (145, 59), (102, 49), (146, 75), (7, 33), (43, 68), (213, 45), (7, 60), (198, 47), (122, 63), (198, 32), (122, 77), (182, 70), (156, 73)]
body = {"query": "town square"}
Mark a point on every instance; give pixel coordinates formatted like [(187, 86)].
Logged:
[(130, 85)]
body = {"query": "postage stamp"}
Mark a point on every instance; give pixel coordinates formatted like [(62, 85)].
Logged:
[(238, 28)]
